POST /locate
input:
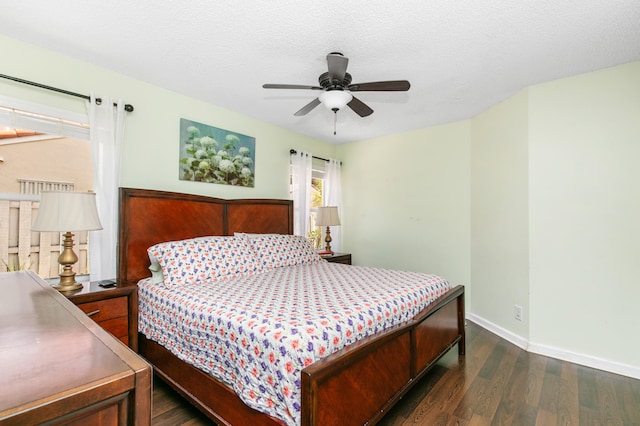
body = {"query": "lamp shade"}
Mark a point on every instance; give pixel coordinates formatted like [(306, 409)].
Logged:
[(335, 99), (327, 216), (65, 211)]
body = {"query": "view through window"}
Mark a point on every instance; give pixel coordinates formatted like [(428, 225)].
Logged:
[(315, 232), (32, 162)]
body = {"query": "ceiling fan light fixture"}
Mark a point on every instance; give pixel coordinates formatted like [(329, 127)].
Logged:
[(335, 100)]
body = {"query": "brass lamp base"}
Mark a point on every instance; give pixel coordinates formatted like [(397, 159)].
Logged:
[(66, 288), (327, 240), (67, 258)]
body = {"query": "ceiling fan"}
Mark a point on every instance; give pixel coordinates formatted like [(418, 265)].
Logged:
[(337, 88)]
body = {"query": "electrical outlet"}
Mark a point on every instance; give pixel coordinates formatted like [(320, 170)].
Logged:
[(517, 313)]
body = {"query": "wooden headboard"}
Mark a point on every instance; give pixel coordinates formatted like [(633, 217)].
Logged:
[(148, 217)]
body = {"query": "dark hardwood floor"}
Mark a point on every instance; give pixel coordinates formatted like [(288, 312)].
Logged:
[(496, 383), (170, 409)]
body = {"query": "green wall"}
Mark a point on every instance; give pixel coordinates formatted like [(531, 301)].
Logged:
[(585, 214), (406, 201), (151, 151), (499, 214), (533, 202)]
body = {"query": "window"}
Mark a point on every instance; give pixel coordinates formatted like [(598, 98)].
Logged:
[(317, 181), (315, 232), (32, 161), (317, 184)]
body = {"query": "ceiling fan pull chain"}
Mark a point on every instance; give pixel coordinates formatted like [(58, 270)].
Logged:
[(335, 119)]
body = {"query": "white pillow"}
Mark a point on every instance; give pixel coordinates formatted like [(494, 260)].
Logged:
[(156, 271)]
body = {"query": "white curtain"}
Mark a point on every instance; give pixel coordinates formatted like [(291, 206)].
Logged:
[(106, 136), (301, 194), (332, 197)]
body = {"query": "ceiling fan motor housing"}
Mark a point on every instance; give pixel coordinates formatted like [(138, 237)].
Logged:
[(329, 83)]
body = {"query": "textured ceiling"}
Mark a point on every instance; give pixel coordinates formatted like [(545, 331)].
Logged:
[(460, 56)]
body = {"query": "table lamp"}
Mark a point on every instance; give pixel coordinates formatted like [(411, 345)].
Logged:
[(328, 216), (66, 211)]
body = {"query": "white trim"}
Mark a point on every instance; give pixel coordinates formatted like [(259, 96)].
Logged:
[(42, 118), (18, 197), (23, 105), (557, 353), (23, 139), (509, 336), (586, 360)]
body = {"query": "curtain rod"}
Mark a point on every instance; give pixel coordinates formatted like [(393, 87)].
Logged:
[(127, 107), (293, 152)]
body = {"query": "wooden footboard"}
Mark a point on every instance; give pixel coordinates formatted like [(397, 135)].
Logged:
[(357, 385), (362, 382)]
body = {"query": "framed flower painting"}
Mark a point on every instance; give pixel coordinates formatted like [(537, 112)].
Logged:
[(213, 155)]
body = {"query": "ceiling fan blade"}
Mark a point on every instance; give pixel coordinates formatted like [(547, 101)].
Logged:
[(381, 86), (290, 86), (359, 107), (307, 108), (337, 66)]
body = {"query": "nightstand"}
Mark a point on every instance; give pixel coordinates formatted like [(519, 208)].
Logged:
[(114, 309), (339, 258)]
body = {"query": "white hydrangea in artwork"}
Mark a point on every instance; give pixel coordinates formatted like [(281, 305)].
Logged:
[(193, 131), (205, 159), (227, 166)]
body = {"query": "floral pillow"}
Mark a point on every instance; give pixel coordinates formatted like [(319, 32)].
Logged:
[(203, 259), (277, 250)]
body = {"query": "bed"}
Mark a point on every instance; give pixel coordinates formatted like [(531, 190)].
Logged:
[(355, 385)]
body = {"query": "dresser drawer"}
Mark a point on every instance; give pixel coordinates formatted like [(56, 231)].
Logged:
[(114, 308), (105, 309), (110, 314), (119, 327), (344, 258)]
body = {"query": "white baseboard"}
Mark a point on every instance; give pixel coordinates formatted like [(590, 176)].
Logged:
[(502, 332), (557, 353)]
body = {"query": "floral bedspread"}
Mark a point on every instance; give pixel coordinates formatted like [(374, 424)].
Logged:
[(257, 333)]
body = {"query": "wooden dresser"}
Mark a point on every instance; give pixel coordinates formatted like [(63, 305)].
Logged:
[(57, 366)]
